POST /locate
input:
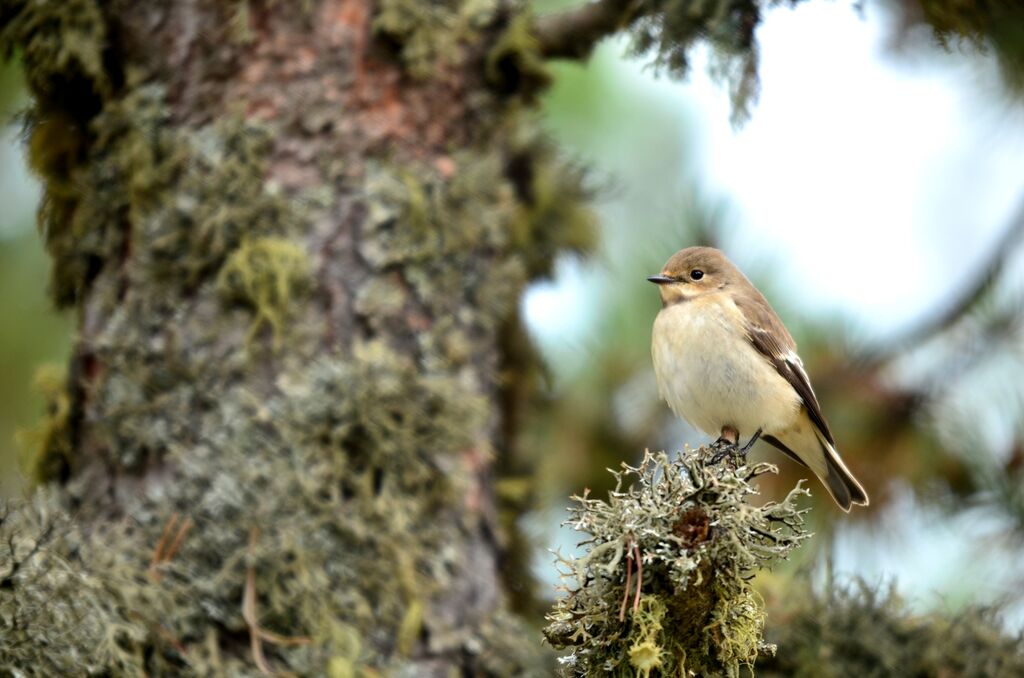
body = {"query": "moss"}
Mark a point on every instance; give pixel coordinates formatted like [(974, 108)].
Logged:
[(267, 275), (515, 64), (429, 36), (93, 199), (128, 181), (659, 589), (46, 447), (221, 200), (646, 653), (323, 506), (62, 44)]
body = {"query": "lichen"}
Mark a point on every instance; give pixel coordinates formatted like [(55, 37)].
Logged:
[(265, 274), (46, 447), (316, 522), (664, 584)]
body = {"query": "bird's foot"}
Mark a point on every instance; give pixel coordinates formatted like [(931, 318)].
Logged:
[(724, 447)]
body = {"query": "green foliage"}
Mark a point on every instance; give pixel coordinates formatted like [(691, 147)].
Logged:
[(858, 631), (665, 582)]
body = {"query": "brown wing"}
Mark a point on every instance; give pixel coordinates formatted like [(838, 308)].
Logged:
[(771, 338)]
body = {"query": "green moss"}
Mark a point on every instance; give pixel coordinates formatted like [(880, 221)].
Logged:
[(664, 585), (62, 45), (46, 447), (647, 651), (325, 502), (219, 201), (515, 64), (429, 35), (129, 181), (94, 197), (267, 275)]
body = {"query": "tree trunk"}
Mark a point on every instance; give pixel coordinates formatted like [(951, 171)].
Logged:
[(294, 236)]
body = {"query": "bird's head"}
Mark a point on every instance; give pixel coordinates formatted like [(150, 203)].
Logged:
[(691, 272)]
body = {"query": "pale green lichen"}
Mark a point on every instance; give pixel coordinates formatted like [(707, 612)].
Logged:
[(664, 585), (267, 275)]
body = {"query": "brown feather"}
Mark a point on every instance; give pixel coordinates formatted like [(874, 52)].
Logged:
[(772, 340)]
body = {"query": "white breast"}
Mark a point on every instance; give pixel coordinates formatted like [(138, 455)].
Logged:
[(711, 375)]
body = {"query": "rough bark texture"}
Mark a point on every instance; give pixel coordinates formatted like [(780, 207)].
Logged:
[(294, 236)]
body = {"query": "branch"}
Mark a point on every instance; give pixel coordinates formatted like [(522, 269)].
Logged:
[(573, 33), (680, 601)]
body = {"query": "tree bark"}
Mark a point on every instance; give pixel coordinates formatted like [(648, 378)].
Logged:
[(294, 236)]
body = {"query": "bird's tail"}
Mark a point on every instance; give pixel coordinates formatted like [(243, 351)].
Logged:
[(840, 483), (813, 451)]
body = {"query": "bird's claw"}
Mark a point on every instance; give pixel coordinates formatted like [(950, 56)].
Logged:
[(723, 447)]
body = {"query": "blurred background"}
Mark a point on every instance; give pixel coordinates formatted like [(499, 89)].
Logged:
[(876, 196)]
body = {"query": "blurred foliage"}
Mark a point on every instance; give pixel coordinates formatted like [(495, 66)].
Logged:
[(991, 24), (31, 334), (858, 630)]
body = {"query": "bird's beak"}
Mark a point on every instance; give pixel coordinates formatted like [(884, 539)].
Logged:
[(660, 279)]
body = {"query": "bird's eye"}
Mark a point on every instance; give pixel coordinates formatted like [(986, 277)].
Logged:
[(696, 274)]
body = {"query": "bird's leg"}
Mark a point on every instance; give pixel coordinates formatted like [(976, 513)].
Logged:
[(726, 444), (750, 443)]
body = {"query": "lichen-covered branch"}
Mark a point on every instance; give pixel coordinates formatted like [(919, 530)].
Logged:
[(663, 587)]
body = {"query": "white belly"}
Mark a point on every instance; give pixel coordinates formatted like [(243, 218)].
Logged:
[(712, 377)]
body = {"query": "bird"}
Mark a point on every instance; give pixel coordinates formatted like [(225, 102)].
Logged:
[(726, 364)]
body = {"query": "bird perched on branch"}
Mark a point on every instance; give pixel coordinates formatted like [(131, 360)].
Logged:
[(726, 364)]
